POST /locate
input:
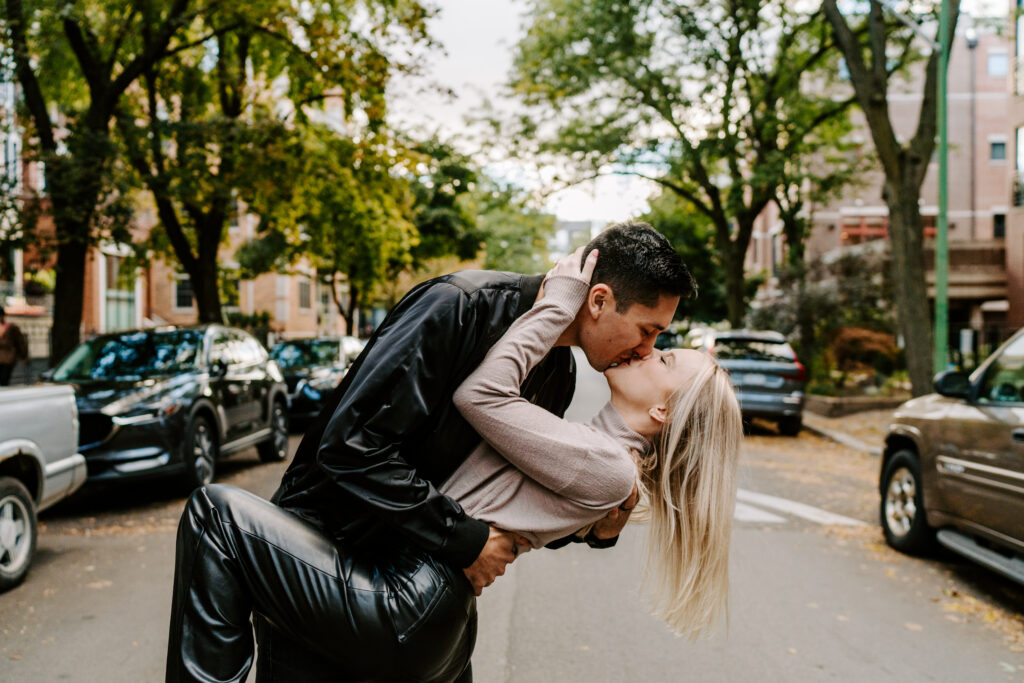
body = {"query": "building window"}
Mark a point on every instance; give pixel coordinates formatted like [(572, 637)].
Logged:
[(305, 295), (999, 225), (997, 150), (998, 64), (118, 294), (183, 295)]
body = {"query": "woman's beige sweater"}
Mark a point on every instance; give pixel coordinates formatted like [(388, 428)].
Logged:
[(536, 473)]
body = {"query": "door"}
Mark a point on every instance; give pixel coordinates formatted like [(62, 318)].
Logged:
[(981, 465), (231, 389)]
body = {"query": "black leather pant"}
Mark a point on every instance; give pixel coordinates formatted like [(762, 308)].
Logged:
[(380, 616)]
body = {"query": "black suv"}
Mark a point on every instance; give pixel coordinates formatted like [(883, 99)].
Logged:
[(171, 401)]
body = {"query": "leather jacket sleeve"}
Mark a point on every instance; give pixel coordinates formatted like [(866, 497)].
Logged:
[(404, 379)]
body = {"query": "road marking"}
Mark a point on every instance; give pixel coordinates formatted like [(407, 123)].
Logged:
[(798, 509), (748, 513)]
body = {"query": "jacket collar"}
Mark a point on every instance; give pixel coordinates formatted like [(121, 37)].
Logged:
[(529, 286)]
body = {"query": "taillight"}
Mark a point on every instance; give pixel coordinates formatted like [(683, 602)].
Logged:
[(800, 375)]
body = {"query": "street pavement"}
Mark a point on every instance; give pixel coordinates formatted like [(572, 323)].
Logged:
[(816, 594)]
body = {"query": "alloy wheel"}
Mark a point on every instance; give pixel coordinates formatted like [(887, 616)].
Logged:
[(15, 536), (901, 502)]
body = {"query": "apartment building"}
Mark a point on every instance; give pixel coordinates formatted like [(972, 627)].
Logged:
[(985, 266)]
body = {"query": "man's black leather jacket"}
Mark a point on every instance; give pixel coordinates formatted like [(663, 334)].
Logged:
[(368, 469)]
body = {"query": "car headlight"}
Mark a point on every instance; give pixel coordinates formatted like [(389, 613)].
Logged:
[(157, 410)]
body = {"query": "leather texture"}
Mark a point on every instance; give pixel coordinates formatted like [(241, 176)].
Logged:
[(382, 616), (389, 435)]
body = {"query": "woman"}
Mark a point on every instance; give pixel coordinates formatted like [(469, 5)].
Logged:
[(672, 428)]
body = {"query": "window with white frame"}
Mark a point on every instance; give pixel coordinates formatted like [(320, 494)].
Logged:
[(184, 297), (997, 150), (305, 294), (998, 64)]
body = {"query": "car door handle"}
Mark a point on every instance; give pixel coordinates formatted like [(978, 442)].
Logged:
[(1018, 435)]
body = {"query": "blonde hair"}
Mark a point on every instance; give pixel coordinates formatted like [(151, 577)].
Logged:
[(688, 485)]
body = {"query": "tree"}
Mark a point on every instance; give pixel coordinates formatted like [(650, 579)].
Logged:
[(515, 235), (350, 217), (711, 100), (692, 235), (74, 61), (207, 130), (905, 165)]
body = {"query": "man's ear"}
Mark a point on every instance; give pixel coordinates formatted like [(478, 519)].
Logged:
[(600, 299), (658, 413)]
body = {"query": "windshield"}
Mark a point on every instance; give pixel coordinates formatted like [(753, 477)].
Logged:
[(132, 356), (753, 349), (305, 352)]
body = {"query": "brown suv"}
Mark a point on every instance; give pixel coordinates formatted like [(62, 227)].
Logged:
[(953, 466)]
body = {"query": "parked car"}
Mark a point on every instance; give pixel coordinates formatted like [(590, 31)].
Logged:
[(311, 368), (39, 466), (953, 465), (769, 378), (171, 401)]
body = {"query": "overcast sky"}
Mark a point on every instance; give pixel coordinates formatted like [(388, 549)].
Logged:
[(478, 36)]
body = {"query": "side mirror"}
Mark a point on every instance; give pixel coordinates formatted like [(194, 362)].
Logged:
[(218, 369), (953, 384)]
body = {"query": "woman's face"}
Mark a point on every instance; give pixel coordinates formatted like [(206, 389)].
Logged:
[(649, 382)]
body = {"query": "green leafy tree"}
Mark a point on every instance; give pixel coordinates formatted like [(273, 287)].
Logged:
[(515, 235), (692, 234), (208, 130), (712, 100), (350, 217), (867, 42), (74, 61)]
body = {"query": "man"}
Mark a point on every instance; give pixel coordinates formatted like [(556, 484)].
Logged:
[(368, 469), (13, 348)]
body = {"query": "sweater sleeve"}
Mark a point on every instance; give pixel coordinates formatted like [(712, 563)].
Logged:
[(550, 450)]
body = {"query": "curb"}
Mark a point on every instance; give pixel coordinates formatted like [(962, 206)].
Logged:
[(844, 439)]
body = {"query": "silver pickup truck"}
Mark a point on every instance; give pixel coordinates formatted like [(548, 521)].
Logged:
[(39, 465)]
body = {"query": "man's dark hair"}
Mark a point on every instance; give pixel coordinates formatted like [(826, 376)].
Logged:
[(639, 264)]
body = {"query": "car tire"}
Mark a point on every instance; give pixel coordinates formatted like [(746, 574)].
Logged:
[(790, 426), (902, 507), (275, 449), (201, 452), (18, 532)]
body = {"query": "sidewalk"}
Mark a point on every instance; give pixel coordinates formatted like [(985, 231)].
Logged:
[(861, 431)]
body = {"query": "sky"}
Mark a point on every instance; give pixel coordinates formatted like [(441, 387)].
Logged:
[(478, 37)]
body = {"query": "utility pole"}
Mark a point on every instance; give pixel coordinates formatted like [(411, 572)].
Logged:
[(941, 331)]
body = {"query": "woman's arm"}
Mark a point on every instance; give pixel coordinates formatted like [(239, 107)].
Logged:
[(552, 451)]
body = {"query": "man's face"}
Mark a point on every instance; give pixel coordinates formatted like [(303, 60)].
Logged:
[(609, 336)]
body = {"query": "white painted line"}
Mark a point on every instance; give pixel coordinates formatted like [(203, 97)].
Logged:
[(798, 509), (749, 513)]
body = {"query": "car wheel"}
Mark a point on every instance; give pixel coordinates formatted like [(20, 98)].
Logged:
[(790, 426), (18, 532), (902, 508), (200, 452), (275, 449)]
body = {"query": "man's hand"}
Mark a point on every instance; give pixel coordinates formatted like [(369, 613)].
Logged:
[(498, 552), (613, 523)]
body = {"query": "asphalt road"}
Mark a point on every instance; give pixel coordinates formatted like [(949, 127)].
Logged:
[(815, 594)]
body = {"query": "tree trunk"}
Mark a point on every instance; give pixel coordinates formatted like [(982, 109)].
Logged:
[(68, 293), (910, 288), (205, 281), (735, 283)]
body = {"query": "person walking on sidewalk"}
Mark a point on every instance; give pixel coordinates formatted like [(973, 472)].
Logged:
[(672, 430), (13, 348)]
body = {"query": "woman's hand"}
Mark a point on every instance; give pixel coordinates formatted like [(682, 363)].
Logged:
[(571, 266)]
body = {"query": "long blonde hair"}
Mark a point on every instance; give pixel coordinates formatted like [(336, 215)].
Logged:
[(688, 484)]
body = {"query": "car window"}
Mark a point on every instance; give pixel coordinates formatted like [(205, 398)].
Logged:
[(132, 356), (753, 349), (306, 353), (1004, 379)]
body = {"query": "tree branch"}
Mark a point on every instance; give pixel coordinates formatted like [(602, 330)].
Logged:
[(34, 100)]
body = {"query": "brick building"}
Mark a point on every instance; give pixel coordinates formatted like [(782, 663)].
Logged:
[(984, 263)]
